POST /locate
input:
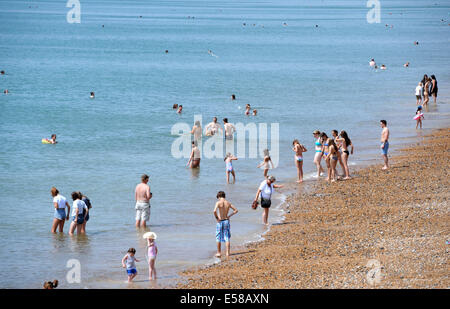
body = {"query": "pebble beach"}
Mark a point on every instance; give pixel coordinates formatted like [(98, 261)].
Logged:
[(381, 229)]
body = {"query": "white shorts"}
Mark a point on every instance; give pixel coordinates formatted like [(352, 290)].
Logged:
[(142, 211)]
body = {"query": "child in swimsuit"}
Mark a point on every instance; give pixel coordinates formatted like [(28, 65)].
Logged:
[(419, 116), (299, 149), (229, 166), (152, 252), (130, 265), (265, 163)]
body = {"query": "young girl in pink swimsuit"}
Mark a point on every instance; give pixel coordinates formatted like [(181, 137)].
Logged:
[(152, 252)]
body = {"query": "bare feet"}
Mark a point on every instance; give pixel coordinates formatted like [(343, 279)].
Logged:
[(217, 255)]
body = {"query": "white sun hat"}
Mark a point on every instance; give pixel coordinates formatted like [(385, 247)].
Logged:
[(150, 235)]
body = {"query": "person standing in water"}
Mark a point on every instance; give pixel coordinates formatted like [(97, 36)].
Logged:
[(79, 213), (86, 200), (384, 143), (265, 190), (221, 213), (419, 116), (418, 94), (194, 159), (318, 155), (60, 204), (197, 131), (266, 162), (228, 128), (299, 149), (434, 88), (212, 128), (142, 197), (229, 166)]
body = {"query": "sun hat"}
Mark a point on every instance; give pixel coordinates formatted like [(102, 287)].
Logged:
[(150, 235)]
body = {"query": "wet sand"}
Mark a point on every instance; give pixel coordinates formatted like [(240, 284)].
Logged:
[(381, 229)]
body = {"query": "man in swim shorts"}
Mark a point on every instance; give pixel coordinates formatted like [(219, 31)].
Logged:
[(384, 143), (223, 233), (142, 196)]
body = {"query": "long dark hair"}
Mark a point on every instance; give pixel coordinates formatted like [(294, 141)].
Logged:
[(344, 135)]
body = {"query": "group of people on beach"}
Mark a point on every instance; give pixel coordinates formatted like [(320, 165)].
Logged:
[(79, 216), (426, 87)]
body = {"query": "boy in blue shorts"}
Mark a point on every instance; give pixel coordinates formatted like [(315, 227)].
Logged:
[(223, 233)]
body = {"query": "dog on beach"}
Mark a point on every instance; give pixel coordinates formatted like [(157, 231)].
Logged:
[(50, 285)]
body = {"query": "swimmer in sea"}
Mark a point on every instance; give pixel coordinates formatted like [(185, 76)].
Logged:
[(372, 62), (299, 149), (319, 154), (212, 128), (254, 112), (6, 91), (180, 109), (229, 166), (175, 106), (383, 67), (265, 162), (247, 109), (53, 139), (92, 94), (2, 72), (233, 97), (406, 64)]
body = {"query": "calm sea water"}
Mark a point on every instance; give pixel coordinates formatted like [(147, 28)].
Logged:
[(297, 75)]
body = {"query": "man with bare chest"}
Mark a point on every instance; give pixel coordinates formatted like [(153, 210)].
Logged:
[(142, 196), (223, 233)]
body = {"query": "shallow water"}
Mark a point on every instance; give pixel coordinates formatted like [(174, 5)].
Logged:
[(299, 76)]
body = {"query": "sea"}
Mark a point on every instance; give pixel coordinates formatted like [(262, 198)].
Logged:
[(303, 65)]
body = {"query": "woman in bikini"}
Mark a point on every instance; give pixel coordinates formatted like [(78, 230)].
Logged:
[(346, 143), (324, 140), (332, 158), (299, 149), (318, 155), (194, 159), (434, 87)]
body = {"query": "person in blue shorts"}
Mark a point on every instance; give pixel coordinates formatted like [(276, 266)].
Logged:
[(129, 262), (223, 233), (384, 143)]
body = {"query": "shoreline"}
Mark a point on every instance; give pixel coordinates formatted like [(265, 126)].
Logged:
[(342, 226)]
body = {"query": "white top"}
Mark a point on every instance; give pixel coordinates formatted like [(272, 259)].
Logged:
[(418, 90), (61, 200), (266, 190), (78, 204)]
